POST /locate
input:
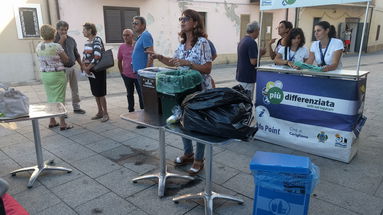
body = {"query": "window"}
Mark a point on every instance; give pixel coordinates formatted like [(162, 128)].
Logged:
[(377, 33), (116, 19), (28, 20), (316, 21)]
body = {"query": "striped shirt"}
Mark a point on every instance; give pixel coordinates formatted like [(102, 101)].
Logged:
[(92, 51)]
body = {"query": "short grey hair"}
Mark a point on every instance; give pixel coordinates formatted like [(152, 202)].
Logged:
[(61, 23), (142, 19), (252, 26)]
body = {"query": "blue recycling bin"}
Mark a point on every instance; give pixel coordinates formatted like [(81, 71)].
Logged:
[(283, 183)]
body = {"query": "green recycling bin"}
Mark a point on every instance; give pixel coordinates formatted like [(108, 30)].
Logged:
[(174, 86)]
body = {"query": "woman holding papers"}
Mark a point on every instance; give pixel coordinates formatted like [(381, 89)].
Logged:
[(294, 49), (327, 50)]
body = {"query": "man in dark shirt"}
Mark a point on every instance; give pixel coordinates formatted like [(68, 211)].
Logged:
[(247, 58), (70, 47)]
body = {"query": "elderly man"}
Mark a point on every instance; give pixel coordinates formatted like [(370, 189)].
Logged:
[(124, 57), (70, 48), (247, 58)]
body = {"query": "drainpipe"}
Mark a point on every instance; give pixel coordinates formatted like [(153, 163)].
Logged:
[(287, 14), (369, 28)]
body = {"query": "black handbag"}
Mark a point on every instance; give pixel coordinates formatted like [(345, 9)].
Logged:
[(106, 61)]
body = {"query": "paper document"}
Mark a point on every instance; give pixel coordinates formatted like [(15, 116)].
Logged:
[(91, 75)]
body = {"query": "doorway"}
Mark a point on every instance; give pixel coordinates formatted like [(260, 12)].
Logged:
[(267, 29)]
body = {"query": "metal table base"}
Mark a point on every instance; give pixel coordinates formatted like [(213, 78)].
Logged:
[(41, 165), (163, 174), (208, 195), (156, 122)]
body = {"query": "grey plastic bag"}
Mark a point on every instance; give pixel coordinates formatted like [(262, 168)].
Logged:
[(13, 103)]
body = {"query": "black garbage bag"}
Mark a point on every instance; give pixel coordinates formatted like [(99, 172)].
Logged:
[(222, 112)]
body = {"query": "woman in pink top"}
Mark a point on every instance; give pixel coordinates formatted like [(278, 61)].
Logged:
[(124, 57)]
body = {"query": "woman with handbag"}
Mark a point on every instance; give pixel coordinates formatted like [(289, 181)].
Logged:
[(51, 55), (92, 55)]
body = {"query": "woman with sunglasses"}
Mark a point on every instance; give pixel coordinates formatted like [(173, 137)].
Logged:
[(192, 53), (294, 49), (327, 50)]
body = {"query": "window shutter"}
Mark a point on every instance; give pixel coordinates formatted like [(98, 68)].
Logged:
[(113, 31)]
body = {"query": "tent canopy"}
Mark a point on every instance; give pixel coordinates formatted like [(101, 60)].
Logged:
[(282, 4)]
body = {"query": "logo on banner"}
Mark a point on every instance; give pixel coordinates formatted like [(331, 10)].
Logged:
[(322, 137), (288, 2), (267, 2), (279, 207), (273, 92), (340, 141)]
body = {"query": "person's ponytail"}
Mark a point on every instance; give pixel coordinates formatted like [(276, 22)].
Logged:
[(332, 32)]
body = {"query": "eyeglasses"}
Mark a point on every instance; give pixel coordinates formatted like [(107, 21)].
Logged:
[(135, 23), (184, 19), (125, 35)]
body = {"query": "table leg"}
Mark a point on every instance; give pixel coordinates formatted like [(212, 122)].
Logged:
[(163, 174), (208, 195), (41, 165)]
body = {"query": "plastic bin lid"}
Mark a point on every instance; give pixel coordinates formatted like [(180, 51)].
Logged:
[(277, 162), (150, 72)]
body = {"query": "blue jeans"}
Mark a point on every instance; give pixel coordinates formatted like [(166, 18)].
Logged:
[(188, 149), (129, 84)]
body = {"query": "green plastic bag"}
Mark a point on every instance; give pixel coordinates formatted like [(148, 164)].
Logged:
[(308, 66), (177, 81)]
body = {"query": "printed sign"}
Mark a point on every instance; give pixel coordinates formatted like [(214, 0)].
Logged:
[(280, 4)]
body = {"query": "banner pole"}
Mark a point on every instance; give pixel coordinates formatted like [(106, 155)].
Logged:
[(259, 39), (362, 41)]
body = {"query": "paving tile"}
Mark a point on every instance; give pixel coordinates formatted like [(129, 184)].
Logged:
[(242, 183), (119, 135), (108, 203), (120, 182), (99, 127), (234, 160), (3, 156), (103, 145), (367, 180), (18, 184), (59, 209), (118, 154), (159, 206), (379, 191), (349, 199), (95, 166), (142, 143), (319, 207), (79, 191), (230, 207), (69, 151), (86, 138), (13, 139), (36, 199), (221, 173), (6, 129), (8, 166), (53, 179)]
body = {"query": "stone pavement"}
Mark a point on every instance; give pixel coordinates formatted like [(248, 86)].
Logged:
[(106, 156)]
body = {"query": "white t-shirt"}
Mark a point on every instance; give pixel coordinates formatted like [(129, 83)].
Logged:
[(301, 54), (335, 45)]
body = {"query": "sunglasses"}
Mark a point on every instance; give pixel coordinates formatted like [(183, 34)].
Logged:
[(135, 23), (184, 19)]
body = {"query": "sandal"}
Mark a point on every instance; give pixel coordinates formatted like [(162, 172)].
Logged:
[(184, 159), (196, 167), (66, 128), (96, 117), (105, 118), (54, 125)]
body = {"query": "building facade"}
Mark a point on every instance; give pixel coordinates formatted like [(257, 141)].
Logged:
[(225, 22)]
